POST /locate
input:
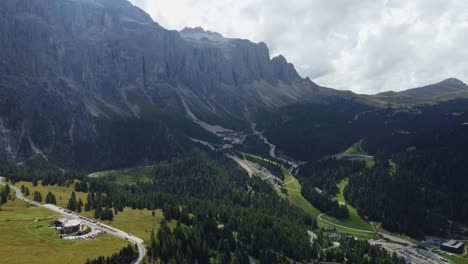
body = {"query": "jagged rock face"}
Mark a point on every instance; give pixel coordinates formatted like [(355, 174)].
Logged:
[(70, 62)]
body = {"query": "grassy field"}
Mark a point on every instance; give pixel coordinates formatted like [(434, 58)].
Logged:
[(294, 193), (370, 163), (356, 152), (138, 222), (357, 233), (127, 176), (356, 148), (26, 238), (353, 221), (62, 193), (260, 158), (341, 186), (293, 187), (456, 259), (16, 209)]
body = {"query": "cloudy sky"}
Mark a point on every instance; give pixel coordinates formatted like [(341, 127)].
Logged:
[(366, 46)]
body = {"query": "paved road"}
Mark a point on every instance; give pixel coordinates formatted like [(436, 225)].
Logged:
[(108, 229)]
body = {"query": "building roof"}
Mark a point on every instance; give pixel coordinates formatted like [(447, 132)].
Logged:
[(453, 244), (62, 220), (72, 223)]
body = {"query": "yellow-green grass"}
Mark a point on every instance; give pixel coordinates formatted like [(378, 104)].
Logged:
[(456, 259), (341, 186), (62, 193), (26, 238), (294, 187), (324, 225), (353, 221), (356, 148), (356, 151), (370, 163), (261, 158), (137, 222), (128, 176), (16, 209), (393, 167)]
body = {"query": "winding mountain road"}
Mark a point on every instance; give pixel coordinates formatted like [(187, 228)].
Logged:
[(105, 228)]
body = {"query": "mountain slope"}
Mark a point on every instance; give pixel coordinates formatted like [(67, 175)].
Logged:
[(75, 73), (449, 89), (66, 65), (446, 87)]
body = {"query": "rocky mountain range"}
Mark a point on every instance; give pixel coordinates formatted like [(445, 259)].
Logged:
[(69, 66)]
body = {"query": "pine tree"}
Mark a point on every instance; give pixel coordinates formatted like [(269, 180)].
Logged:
[(110, 217), (72, 204), (37, 197), (7, 190), (3, 196), (98, 212), (49, 198)]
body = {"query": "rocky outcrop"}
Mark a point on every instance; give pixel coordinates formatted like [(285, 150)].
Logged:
[(70, 62)]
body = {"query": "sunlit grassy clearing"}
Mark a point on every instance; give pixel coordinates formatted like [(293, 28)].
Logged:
[(32, 241)]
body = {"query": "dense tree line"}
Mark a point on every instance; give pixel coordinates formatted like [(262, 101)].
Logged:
[(210, 190), (126, 255), (325, 174), (211, 199), (81, 186), (359, 251), (31, 173), (271, 166), (312, 131), (319, 181), (428, 144), (73, 204), (128, 142), (267, 227), (252, 144), (324, 202), (420, 196)]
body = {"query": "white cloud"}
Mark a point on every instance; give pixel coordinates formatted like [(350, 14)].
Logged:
[(362, 45)]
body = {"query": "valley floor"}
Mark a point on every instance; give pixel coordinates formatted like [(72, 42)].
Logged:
[(27, 238), (27, 224)]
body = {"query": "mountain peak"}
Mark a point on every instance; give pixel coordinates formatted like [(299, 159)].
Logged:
[(445, 87), (454, 82), (199, 30), (199, 34)]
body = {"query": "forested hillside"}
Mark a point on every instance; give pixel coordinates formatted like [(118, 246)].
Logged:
[(419, 183)]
